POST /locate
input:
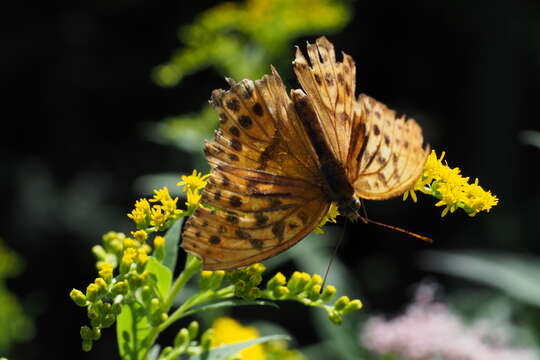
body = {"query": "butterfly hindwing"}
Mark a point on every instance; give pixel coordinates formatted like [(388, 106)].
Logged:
[(390, 157)]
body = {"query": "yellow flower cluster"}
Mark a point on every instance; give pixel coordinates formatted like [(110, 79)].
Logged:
[(192, 185), (451, 189), (159, 214), (333, 212), (122, 250)]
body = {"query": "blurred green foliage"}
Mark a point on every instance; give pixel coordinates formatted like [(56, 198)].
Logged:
[(15, 325), (239, 40)]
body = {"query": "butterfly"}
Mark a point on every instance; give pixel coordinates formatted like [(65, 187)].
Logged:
[(278, 162)]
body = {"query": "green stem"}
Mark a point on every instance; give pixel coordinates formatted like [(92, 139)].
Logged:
[(193, 266), (196, 300)]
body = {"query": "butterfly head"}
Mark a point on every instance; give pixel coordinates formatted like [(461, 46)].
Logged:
[(350, 208)]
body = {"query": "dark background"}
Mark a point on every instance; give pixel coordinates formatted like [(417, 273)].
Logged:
[(78, 93)]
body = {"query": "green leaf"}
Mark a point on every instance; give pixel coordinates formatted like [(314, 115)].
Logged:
[(231, 302), (131, 330), (516, 275), (162, 274), (171, 244), (225, 351)]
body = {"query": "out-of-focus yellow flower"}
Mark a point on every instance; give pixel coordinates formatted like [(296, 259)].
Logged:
[(194, 182), (333, 212), (230, 331), (451, 189)]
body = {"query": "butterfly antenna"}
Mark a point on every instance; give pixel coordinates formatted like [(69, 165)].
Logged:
[(366, 220), (334, 254), (421, 237)]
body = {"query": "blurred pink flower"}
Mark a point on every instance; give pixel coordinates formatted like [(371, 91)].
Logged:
[(429, 330)]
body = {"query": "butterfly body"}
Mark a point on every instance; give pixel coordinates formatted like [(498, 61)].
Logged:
[(278, 161), (336, 184)]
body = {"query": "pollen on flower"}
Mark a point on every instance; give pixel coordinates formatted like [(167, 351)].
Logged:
[(194, 182), (451, 189), (333, 212)]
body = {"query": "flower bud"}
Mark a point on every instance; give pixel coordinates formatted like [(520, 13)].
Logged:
[(146, 293), (86, 333), (78, 297), (166, 351), (314, 292), (106, 271), (134, 280), (193, 329), (353, 306), (108, 320), (293, 282), (159, 247), (99, 252), (277, 280), (120, 288), (86, 345), (116, 309), (92, 292), (204, 283), (253, 293), (182, 338), (335, 317), (328, 293), (281, 292), (206, 339), (341, 303)]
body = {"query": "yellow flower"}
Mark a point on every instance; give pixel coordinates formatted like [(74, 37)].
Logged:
[(141, 213), (159, 217), (194, 182), (230, 331), (193, 198), (451, 189), (333, 212), (106, 271), (159, 241)]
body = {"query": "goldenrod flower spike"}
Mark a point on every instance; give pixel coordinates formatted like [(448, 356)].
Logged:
[(451, 189)]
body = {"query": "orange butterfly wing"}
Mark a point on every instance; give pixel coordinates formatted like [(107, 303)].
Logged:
[(390, 157), (381, 154), (264, 193), (330, 86)]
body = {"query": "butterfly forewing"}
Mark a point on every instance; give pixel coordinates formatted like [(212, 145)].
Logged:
[(264, 193), (330, 86)]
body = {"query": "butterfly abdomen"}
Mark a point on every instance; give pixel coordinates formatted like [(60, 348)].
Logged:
[(337, 185)]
